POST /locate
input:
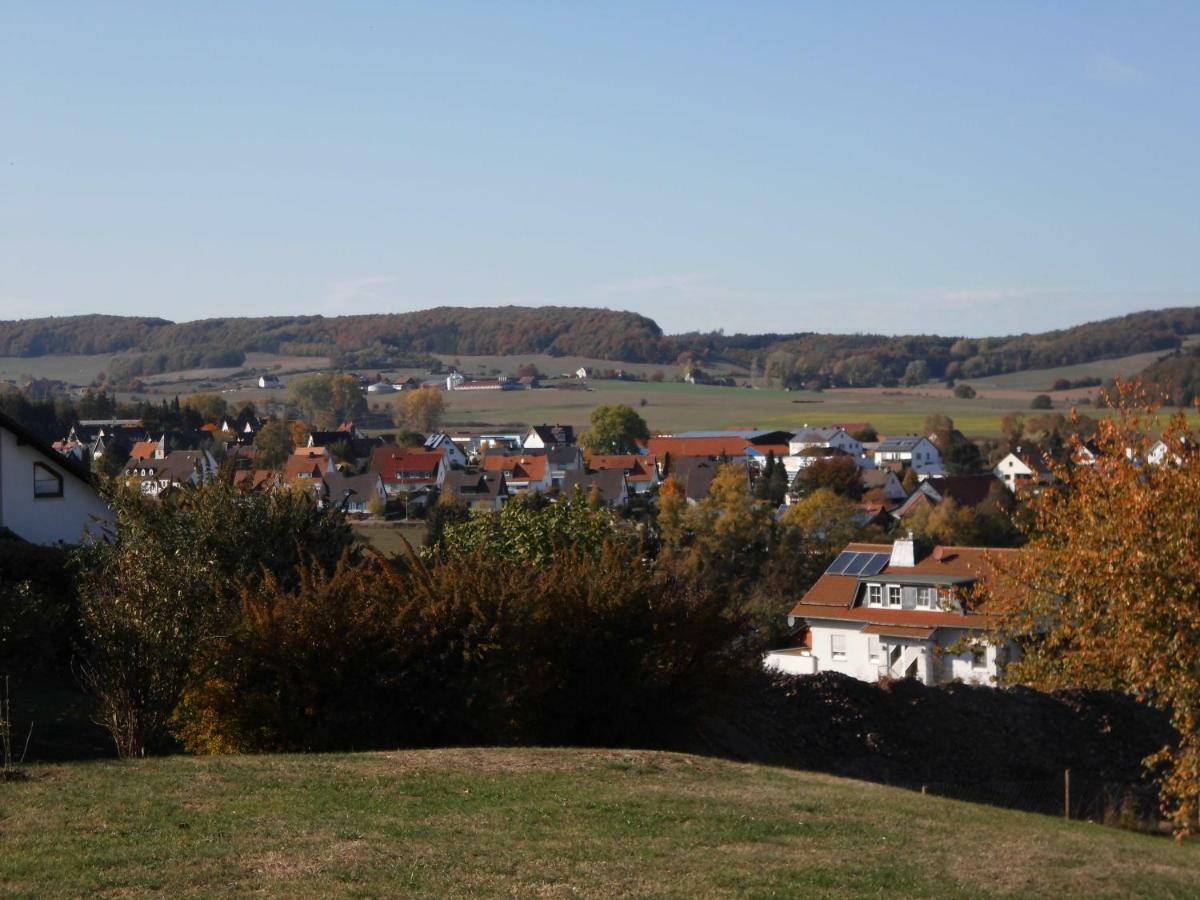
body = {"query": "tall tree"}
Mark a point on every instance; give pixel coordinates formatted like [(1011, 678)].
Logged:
[(327, 399), (614, 429), (420, 410)]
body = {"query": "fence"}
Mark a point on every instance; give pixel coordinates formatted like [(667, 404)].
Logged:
[(1071, 795)]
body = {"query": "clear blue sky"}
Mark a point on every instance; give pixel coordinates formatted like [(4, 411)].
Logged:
[(954, 167)]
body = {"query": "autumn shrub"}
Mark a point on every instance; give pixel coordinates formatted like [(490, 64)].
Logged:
[(168, 580), (597, 648)]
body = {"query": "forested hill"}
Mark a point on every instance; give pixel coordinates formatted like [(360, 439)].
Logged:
[(150, 344), (506, 330), (871, 359)]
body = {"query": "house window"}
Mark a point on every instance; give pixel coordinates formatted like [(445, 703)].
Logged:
[(925, 597), (837, 646), (979, 658), (46, 482), (893, 595), (873, 650), (874, 595)]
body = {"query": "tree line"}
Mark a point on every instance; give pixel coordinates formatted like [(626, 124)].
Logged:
[(802, 359)]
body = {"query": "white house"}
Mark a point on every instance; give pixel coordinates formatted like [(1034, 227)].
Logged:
[(880, 612), (45, 498), (541, 437), (910, 450), (269, 381), (825, 437), (177, 469), (1023, 471), (381, 387), (440, 442)]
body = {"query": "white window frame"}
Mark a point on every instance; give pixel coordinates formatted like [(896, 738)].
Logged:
[(874, 650), (979, 659), (926, 597), (837, 646), (899, 594), (874, 595)]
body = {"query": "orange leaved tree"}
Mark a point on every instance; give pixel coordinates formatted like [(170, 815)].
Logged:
[(1107, 593)]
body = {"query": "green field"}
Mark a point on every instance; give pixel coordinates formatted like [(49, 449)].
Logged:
[(553, 823), (668, 406), (671, 407)]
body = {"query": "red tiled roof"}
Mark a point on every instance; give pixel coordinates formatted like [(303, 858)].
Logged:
[(400, 466), (708, 446)]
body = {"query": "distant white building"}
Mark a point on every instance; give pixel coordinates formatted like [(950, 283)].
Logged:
[(1021, 472), (825, 437), (911, 450), (269, 381)]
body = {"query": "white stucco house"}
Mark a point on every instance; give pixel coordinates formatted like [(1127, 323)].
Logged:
[(45, 497), (910, 450), (880, 612), (1023, 471)]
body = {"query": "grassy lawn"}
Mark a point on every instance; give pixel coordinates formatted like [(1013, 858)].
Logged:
[(544, 822)]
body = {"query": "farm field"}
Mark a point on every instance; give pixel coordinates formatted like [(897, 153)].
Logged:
[(71, 369), (503, 822), (671, 407)]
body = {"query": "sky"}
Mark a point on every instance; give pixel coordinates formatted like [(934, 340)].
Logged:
[(959, 168)]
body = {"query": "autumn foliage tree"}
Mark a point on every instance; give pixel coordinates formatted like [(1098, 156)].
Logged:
[(1107, 593), (420, 410)]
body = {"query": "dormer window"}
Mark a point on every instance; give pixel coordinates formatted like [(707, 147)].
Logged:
[(46, 482), (874, 595), (926, 597), (893, 595)]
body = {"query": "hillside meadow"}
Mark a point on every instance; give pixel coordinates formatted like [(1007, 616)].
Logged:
[(553, 823)]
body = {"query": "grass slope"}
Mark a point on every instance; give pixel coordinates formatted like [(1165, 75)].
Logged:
[(546, 822)]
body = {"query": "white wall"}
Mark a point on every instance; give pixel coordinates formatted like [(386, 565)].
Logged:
[(44, 520), (791, 662)]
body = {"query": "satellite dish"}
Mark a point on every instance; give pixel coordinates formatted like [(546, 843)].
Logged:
[(938, 553)]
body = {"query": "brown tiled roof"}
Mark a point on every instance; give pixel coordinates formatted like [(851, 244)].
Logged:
[(832, 596), (516, 466), (707, 446), (635, 466), (307, 462), (143, 450)]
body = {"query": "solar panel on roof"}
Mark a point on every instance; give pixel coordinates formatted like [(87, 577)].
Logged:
[(838, 566), (875, 564), (855, 565)]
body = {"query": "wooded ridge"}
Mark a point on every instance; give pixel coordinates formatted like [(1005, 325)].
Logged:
[(794, 359)]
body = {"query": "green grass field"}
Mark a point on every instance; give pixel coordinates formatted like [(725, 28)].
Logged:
[(673, 407), (668, 406), (557, 823)]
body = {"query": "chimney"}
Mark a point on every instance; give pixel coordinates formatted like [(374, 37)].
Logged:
[(904, 553)]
